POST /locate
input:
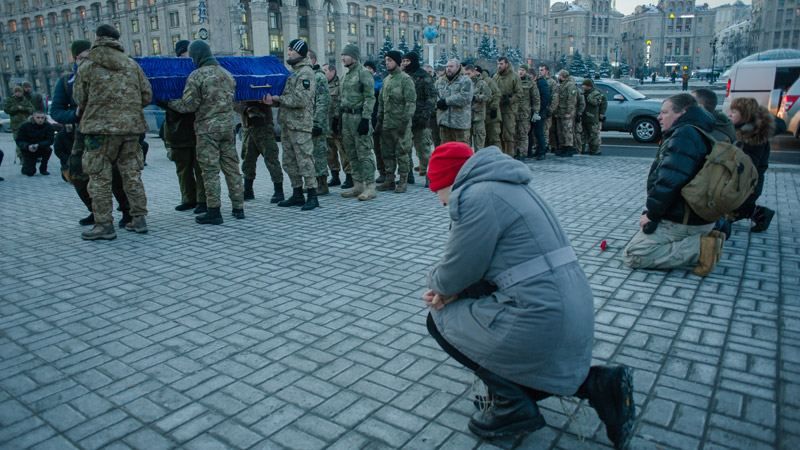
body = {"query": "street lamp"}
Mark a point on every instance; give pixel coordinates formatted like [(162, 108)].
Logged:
[(616, 57), (713, 58)]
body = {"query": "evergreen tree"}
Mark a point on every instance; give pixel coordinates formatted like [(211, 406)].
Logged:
[(454, 52), (442, 61), (402, 45), (418, 49), (624, 70), (494, 53), (514, 56), (387, 47), (605, 68), (577, 68), (485, 48), (562, 62), (591, 67)]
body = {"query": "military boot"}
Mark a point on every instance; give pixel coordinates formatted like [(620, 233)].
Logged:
[(334, 181), (762, 217), (710, 248), (296, 199), (348, 181), (410, 178), (381, 178), (248, 189), (238, 213), (200, 208), (355, 192), (278, 195), (312, 201), (88, 220), (212, 217), (721, 238), (609, 390), (126, 219), (369, 192), (137, 224), (402, 185), (100, 232), (322, 185), (509, 412), (388, 183)]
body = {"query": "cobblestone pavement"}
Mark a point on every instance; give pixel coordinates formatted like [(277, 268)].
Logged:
[(305, 330)]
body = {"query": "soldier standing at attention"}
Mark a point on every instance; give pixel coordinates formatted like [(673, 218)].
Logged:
[(426, 105), (396, 106), (320, 130), (549, 127), (481, 94), (357, 101), (527, 86), (565, 113), (596, 104), (510, 91), (454, 104), (18, 108), (209, 94), (297, 123), (492, 110), (35, 98), (580, 106), (111, 90), (258, 138), (432, 124), (376, 130), (335, 150)]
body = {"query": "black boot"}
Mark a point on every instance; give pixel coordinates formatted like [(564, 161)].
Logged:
[(238, 213), (410, 179), (88, 220), (334, 181), (296, 199), (348, 181), (609, 390), (381, 178), (200, 208), (248, 190), (510, 411), (278, 195), (126, 218), (212, 216), (312, 201), (761, 218)]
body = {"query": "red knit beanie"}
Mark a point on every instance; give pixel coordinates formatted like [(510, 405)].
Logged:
[(446, 160)]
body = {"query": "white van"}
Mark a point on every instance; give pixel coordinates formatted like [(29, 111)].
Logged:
[(765, 76)]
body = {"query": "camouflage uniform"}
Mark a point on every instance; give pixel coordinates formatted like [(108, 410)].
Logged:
[(482, 94), (565, 113), (510, 91), (209, 94), (297, 120), (580, 106), (420, 123), (18, 109), (335, 149), (111, 91), (357, 101), (181, 144), (549, 129), (322, 103), (396, 107), (492, 112), (258, 138), (527, 86), (456, 119), (595, 107)]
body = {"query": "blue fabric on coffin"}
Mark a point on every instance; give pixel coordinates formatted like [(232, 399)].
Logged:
[(168, 75)]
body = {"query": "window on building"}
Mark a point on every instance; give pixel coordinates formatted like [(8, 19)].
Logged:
[(275, 43), (174, 19), (387, 14), (371, 48), (154, 23), (59, 57), (175, 39), (133, 4), (156, 46), (331, 47), (352, 29), (70, 35), (40, 21), (196, 16), (245, 41), (371, 11), (57, 38), (134, 25), (95, 10), (34, 61), (137, 48), (12, 25), (387, 31), (443, 22), (331, 26), (352, 9), (274, 20), (151, 2)]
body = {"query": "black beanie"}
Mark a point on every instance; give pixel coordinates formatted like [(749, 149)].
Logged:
[(413, 60), (181, 47), (371, 64), (395, 55), (299, 46), (79, 47), (107, 30)]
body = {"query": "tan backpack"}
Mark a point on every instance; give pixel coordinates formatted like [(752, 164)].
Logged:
[(724, 182)]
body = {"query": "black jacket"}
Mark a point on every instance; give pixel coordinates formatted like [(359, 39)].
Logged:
[(63, 108), (30, 133), (681, 155)]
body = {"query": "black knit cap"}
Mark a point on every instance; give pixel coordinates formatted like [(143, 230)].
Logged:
[(395, 55), (299, 46), (181, 47), (371, 64), (107, 30), (79, 47)]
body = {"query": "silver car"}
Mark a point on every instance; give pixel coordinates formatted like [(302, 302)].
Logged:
[(630, 111)]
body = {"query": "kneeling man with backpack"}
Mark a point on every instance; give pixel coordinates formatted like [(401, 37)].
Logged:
[(693, 181)]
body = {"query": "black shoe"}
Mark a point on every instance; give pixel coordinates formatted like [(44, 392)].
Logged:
[(278, 195), (88, 220), (200, 208), (348, 182), (248, 190), (379, 180), (510, 411), (185, 206), (212, 217), (609, 390), (238, 213), (126, 218), (334, 181), (312, 201), (762, 218), (410, 179), (43, 171), (724, 226), (296, 199)]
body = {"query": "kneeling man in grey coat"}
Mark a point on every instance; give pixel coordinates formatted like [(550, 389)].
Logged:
[(510, 302)]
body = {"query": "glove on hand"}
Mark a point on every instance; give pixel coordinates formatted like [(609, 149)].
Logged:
[(441, 104), (163, 104), (536, 117), (493, 113), (650, 227), (316, 131), (363, 127)]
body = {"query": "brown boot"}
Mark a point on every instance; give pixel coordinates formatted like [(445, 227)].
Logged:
[(358, 188), (709, 255), (402, 185), (369, 192), (720, 241), (322, 185), (388, 183)]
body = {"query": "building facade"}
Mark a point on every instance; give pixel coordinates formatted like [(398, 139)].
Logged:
[(734, 43), (776, 24), (590, 27), (730, 14)]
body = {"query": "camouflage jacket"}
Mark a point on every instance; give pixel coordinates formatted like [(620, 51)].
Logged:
[(481, 96), (580, 106), (322, 101), (494, 103), (457, 93), (37, 100), (256, 114), (209, 94), (567, 101), (527, 85), (553, 95), (334, 89), (179, 129), (510, 91), (426, 98), (297, 100), (357, 92), (594, 101), (397, 101), (111, 91), (536, 98), (18, 109)]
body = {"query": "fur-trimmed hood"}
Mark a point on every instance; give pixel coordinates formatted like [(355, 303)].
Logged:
[(758, 131)]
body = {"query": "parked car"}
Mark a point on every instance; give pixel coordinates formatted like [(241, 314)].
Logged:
[(789, 109), (630, 111), (765, 76)]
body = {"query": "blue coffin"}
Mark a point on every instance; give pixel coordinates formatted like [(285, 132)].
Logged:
[(253, 74)]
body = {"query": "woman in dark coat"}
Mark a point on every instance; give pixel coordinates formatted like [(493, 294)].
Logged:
[(510, 302)]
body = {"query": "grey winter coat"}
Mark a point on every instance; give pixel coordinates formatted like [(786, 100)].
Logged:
[(538, 332), (457, 93)]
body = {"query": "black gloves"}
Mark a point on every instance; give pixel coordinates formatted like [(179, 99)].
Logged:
[(650, 227), (505, 100), (335, 126), (493, 113), (163, 104), (363, 127), (316, 131), (441, 104)]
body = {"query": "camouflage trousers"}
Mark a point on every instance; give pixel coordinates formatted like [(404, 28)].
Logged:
[(358, 148), (672, 245), (376, 148), (260, 141), (566, 131), (523, 130), (508, 132), (217, 151), (320, 156), (190, 177), (578, 136), (434, 127), (101, 153), (448, 134), (478, 134), (591, 136), (492, 133), (550, 141), (298, 158), (422, 144), (337, 153), (396, 150)]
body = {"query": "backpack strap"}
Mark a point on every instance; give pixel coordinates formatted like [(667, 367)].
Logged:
[(707, 135)]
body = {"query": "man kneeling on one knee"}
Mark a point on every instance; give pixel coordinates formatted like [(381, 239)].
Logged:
[(671, 235)]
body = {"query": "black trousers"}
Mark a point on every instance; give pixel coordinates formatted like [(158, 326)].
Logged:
[(29, 160), (537, 132)]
